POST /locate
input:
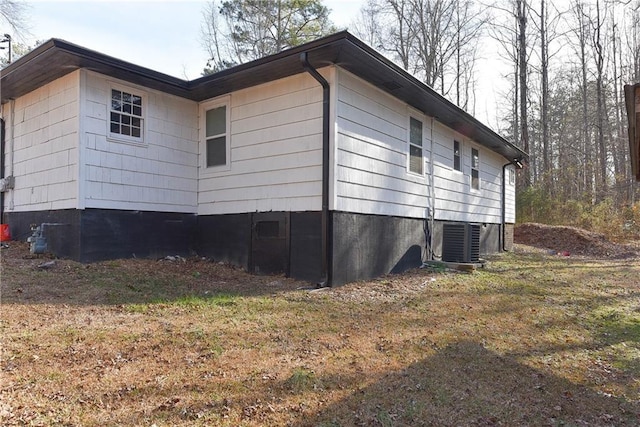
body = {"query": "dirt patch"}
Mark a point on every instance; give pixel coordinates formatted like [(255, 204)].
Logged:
[(28, 278), (568, 241)]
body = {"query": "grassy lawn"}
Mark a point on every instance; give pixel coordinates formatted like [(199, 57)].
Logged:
[(531, 339)]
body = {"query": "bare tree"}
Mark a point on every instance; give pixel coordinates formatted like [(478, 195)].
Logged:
[(13, 13), (599, 55), (368, 24)]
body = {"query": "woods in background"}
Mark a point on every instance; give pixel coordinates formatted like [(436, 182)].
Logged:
[(563, 99)]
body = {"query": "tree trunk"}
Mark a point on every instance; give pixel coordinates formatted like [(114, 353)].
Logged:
[(544, 69), (602, 151), (522, 61)]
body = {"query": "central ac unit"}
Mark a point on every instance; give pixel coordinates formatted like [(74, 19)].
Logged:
[(461, 242)]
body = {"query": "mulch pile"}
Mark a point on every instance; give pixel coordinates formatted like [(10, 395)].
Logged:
[(571, 241)]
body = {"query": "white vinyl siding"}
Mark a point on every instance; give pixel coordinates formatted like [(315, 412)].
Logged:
[(510, 195), (372, 157), (45, 142), (454, 199), (159, 175), (275, 149)]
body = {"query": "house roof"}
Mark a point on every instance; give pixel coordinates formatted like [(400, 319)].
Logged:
[(56, 57)]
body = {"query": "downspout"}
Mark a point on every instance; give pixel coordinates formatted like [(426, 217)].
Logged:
[(326, 230), (2, 146), (432, 195)]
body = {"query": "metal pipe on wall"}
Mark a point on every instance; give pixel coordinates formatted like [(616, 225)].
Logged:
[(326, 229)]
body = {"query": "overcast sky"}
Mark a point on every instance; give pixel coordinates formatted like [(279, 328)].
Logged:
[(165, 35), (161, 35)]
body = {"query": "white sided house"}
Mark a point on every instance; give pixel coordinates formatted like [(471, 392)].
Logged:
[(326, 162)]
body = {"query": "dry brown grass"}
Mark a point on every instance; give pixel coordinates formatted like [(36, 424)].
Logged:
[(532, 339)]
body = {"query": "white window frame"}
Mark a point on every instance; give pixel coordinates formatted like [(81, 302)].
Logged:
[(411, 144), (477, 169), (119, 137), (204, 107)]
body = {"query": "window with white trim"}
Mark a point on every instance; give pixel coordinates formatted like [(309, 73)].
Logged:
[(126, 119), (475, 169), (457, 156), (415, 146), (216, 138)]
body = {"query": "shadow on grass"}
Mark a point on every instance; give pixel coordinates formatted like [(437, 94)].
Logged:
[(463, 384), (466, 384)]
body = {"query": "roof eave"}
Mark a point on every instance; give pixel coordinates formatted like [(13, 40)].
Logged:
[(342, 49), (60, 57)]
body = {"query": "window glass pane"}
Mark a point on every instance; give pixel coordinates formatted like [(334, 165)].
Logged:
[(475, 179), (475, 159), (216, 121), (415, 132), (456, 163), (415, 161), (216, 151), (456, 148), (126, 113)]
